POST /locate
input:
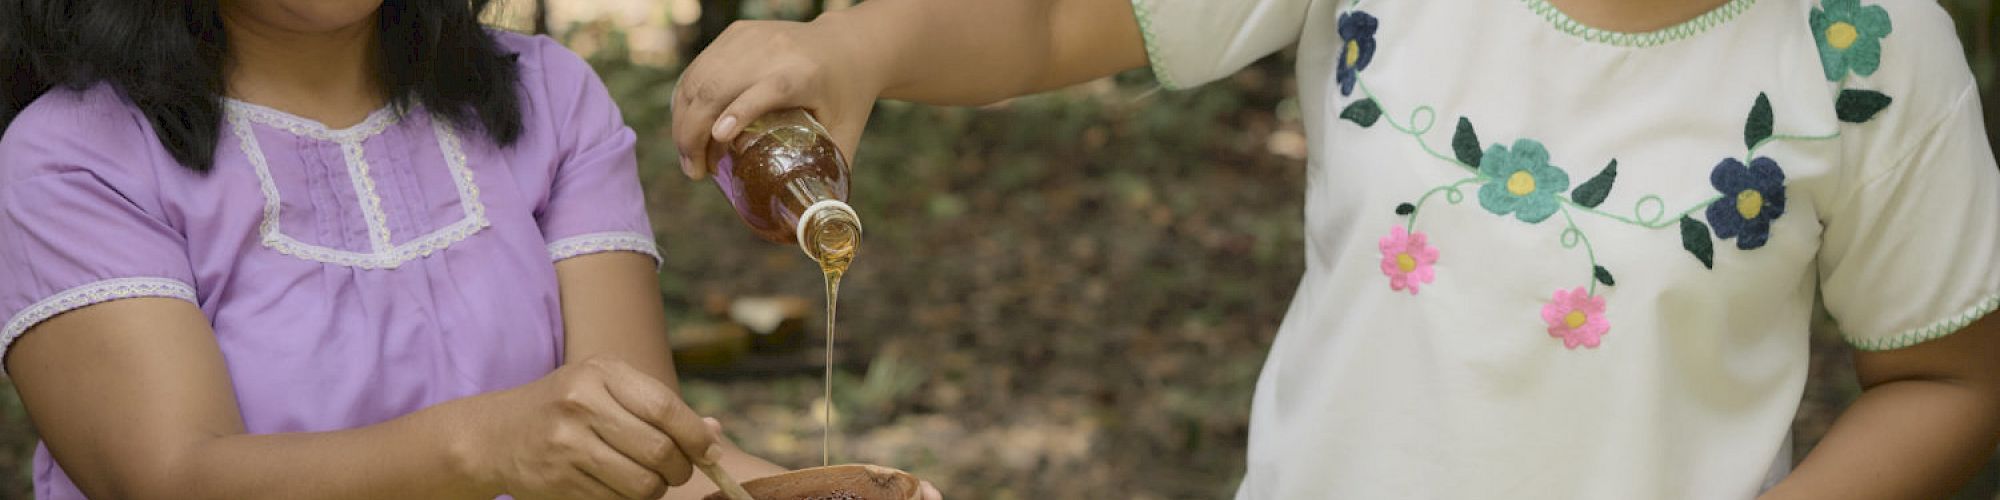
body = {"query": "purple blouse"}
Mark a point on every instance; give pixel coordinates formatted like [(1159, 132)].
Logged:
[(351, 276)]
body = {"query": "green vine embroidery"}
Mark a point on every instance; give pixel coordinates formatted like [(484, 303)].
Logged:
[(1518, 181), (1649, 212)]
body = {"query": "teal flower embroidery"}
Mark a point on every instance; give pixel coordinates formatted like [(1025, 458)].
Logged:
[(1520, 181), (1849, 37)]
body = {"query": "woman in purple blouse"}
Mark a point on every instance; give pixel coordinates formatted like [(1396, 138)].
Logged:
[(328, 249)]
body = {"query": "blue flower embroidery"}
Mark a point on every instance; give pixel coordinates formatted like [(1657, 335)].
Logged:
[(1357, 32), (1752, 197)]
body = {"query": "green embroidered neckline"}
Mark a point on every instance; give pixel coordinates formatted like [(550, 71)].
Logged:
[(1661, 36)]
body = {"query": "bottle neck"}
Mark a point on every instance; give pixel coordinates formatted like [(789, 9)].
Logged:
[(829, 232)]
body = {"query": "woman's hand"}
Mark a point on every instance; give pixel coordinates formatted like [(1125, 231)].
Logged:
[(756, 67), (596, 429)]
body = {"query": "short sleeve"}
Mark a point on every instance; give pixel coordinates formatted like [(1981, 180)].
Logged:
[(1192, 42), (80, 218), (595, 202), (1913, 253)]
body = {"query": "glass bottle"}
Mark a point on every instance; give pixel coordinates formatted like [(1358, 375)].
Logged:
[(788, 182)]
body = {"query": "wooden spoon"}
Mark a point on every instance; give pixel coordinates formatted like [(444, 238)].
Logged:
[(838, 482), (730, 490)]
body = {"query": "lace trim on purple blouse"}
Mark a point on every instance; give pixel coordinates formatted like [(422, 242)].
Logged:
[(383, 252), (89, 294), (618, 241)]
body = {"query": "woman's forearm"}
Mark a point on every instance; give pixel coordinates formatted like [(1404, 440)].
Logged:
[(951, 52), (970, 52), (1928, 416), (154, 416), (1902, 439), (408, 457), (611, 308)]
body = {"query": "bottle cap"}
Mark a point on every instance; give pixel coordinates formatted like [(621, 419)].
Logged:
[(811, 214)]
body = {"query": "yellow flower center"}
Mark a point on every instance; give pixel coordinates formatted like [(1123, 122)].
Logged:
[(1575, 319), (1749, 203), (1521, 183), (1841, 35), (1354, 52), (1405, 263)]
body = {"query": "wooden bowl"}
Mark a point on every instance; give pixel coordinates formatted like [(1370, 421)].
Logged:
[(838, 482)]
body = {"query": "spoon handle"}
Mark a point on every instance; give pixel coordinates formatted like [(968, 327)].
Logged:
[(722, 480)]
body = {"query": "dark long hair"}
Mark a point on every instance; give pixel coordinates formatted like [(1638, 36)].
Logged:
[(168, 58)]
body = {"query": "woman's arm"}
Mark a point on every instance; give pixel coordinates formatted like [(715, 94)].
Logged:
[(135, 401), (972, 52), (611, 309), (933, 51), (1927, 418)]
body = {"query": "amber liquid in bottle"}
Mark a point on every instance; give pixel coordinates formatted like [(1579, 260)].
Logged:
[(788, 182)]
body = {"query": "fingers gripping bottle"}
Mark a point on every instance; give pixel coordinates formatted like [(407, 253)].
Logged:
[(788, 182)]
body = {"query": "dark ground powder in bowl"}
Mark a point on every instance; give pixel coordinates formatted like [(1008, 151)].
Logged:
[(836, 495)]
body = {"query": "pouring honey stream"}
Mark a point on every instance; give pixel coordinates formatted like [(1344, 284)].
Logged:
[(836, 236), (788, 181)]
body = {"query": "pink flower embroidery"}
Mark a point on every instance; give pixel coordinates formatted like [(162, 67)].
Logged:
[(1576, 317), (1406, 260)]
